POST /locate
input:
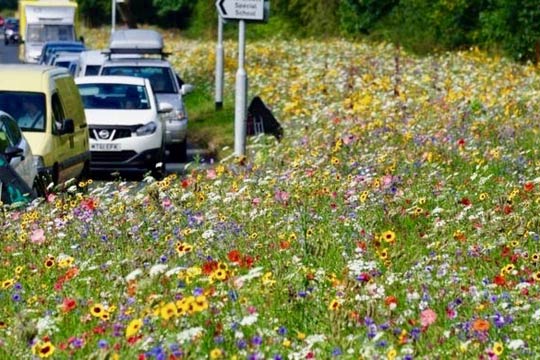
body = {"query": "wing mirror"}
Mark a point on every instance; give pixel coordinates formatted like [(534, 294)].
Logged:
[(13, 152), (165, 107), (67, 127), (186, 89)]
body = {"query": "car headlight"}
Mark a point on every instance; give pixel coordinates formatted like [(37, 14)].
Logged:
[(178, 115), (147, 129)]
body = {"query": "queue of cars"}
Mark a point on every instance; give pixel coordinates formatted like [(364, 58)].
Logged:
[(116, 110)]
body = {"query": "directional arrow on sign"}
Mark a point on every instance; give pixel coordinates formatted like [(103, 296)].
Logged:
[(241, 9)]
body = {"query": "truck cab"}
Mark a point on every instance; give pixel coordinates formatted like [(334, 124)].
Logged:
[(43, 21)]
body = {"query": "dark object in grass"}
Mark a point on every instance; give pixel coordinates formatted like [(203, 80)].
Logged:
[(261, 120)]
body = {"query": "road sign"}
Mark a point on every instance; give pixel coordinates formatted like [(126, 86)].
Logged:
[(253, 10)]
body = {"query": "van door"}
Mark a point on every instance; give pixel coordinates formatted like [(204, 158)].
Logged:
[(77, 143), (62, 144)]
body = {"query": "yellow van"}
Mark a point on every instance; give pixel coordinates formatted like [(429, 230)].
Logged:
[(47, 106)]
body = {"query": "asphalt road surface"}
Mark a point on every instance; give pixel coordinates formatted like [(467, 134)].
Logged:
[(9, 55)]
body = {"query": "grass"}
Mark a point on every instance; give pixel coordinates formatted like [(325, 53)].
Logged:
[(208, 127)]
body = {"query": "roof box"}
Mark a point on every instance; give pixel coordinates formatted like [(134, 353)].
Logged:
[(136, 41)]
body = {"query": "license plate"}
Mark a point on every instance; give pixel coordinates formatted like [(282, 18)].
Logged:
[(105, 147)]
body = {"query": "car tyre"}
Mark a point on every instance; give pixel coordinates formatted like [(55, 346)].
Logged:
[(178, 152)]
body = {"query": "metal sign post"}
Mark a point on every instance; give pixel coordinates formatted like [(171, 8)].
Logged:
[(242, 10), (113, 15), (240, 94), (219, 66)]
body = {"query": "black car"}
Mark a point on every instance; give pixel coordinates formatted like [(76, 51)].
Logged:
[(11, 31)]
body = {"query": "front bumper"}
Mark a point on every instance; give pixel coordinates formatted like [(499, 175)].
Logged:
[(127, 160)]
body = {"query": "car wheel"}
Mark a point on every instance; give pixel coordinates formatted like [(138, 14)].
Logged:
[(178, 152)]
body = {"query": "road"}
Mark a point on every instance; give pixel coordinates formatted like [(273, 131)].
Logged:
[(9, 55)]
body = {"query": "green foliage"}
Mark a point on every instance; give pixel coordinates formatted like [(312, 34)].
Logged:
[(165, 6), (513, 25), (360, 16)]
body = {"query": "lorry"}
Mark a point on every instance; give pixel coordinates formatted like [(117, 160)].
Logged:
[(42, 21)]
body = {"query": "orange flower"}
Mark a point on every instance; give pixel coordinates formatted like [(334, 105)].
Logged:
[(529, 186), (481, 325)]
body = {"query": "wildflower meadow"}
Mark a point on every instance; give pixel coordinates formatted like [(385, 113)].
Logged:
[(398, 218)]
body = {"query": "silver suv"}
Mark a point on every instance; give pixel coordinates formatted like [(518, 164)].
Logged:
[(149, 61)]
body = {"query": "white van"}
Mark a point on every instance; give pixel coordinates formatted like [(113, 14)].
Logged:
[(90, 62)]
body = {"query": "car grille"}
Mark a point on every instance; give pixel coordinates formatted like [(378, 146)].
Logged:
[(112, 156), (114, 132)]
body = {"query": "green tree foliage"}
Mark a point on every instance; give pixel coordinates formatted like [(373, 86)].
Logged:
[(514, 26), (360, 16)]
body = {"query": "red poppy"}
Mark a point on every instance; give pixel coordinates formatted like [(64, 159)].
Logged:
[(247, 261), (507, 209), (88, 204), (499, 280), (284, 245), (465, 201), (390, 300), (529, 186), (461, 142), (185, 183), (69, 304), (234, 256), (209, 267)]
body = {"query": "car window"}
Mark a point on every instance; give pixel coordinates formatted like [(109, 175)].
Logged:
[(114, 96), (92, 70), (5, 140), (12, 130), (160, 77), (27, 108)]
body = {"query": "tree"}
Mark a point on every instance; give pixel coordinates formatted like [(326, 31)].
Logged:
[(515, 25)]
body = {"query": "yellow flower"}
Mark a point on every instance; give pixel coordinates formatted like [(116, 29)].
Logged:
[(334, 305), (216, 353), (391, 354), (200, 303), (7, 283), (286, 342), (498, 348), (389, 236), (97, 310), (300, 335), (43, 349), (133, 327), (167, 311), (219, 274)]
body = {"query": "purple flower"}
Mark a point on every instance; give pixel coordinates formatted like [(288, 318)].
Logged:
[(256, 340)]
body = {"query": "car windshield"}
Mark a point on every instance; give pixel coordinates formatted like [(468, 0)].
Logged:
[(28, 108), (160, 77), (114, 96), (41, 33)]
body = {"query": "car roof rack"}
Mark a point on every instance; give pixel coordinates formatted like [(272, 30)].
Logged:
[(136, 41)]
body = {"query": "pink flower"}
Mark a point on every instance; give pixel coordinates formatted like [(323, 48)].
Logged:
[(427, 317), (281, 196), (211, 174), (38, 236)]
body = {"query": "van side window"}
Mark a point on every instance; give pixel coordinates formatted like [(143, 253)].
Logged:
[(57, 112)]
